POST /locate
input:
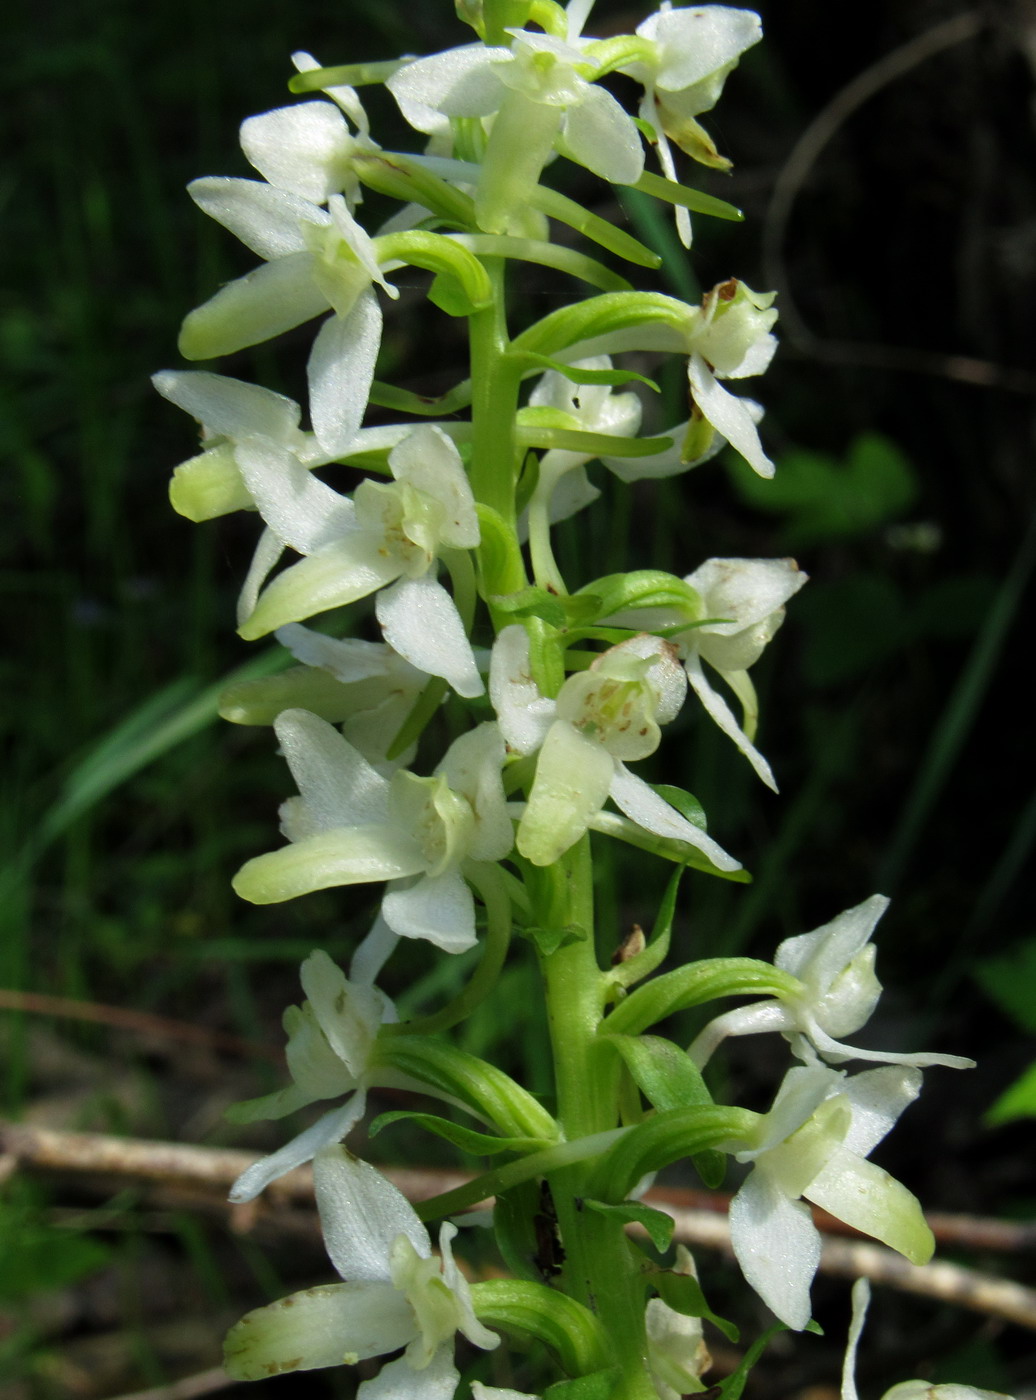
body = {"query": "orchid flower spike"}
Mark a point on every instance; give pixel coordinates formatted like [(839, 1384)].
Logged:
[(905, 1390), (387, 531), (813, 1144), (352, 825), (330, 1043), (835, 964), (395, 1294), (602, 718)]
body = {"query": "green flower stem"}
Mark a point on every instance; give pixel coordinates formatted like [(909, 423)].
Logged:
[(599, 1269), (494, 403), (489, 881)]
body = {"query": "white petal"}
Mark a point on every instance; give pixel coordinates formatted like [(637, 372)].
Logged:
[(334, 1325), (472, 766), (777, 1246), (438, 908), (230, 407), (467, 1324), (602, 137), (304, 149), (728, 415), (644, 806), (524, 714), (420, 620), (399, 1381), (697, 42), (276, 297), (457, 83), (347, 569), (340, 372), (373, 952), (348, 1015), (756, 1019), (345, 97), (348, 659), (429, 461), (361, 1215), (338, 785), (878, 1097), (867, 1198), (267, 552), (345, 856), (266, 220), (722, 714), (744, 592), (302, 511), (331, 1128)]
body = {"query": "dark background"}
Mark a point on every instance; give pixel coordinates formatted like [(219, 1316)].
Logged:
[(896, 700)]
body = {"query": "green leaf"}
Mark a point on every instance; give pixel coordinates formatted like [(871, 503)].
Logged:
[(477, 1144), (549, 940), (685, 803), (683, 1293), (532, 1309), (598, 230), (39, 1258), (823, 499), (578, 374), (404, 401), (731, 1386), (697, 200), (1010, 979), (668, 1078), (638, 967), (658, 1225), (1019, 1101)]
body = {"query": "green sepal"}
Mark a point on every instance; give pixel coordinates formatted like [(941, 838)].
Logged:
[(394, 175), (501, 566), (658, 1225), (529, 1309), (695, 984), (403, 401), (668, 1078), (672, 193), (310, 688), (668, 848), (475, 1144), (599, 1385), (592, 226), (487, 1091), (685, 803), (603, 315), (440, 255), (346, 75), (635, 969), (209, 485), (662, 1139), (645, 588), (578, 374), (515, 1229), (683, 1293), (540, 602), (549, 940)]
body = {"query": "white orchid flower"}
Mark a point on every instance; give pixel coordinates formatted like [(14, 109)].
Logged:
[(746, 597), (905, 1390), (395, 1294), (601, 718), (316, 260), (352, 825), (692, 52), (330, 1039), (354, 547), (541, 96), (813, 1144), (676, 1352), (835, 964)]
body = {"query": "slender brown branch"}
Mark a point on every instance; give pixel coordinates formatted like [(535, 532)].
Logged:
[(700, 1216), (794, 174), (140, 1022), (201, 1383)]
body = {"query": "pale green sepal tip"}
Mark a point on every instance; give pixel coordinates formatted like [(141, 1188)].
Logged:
[(209, 485), (346, 856), (260, 701)]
